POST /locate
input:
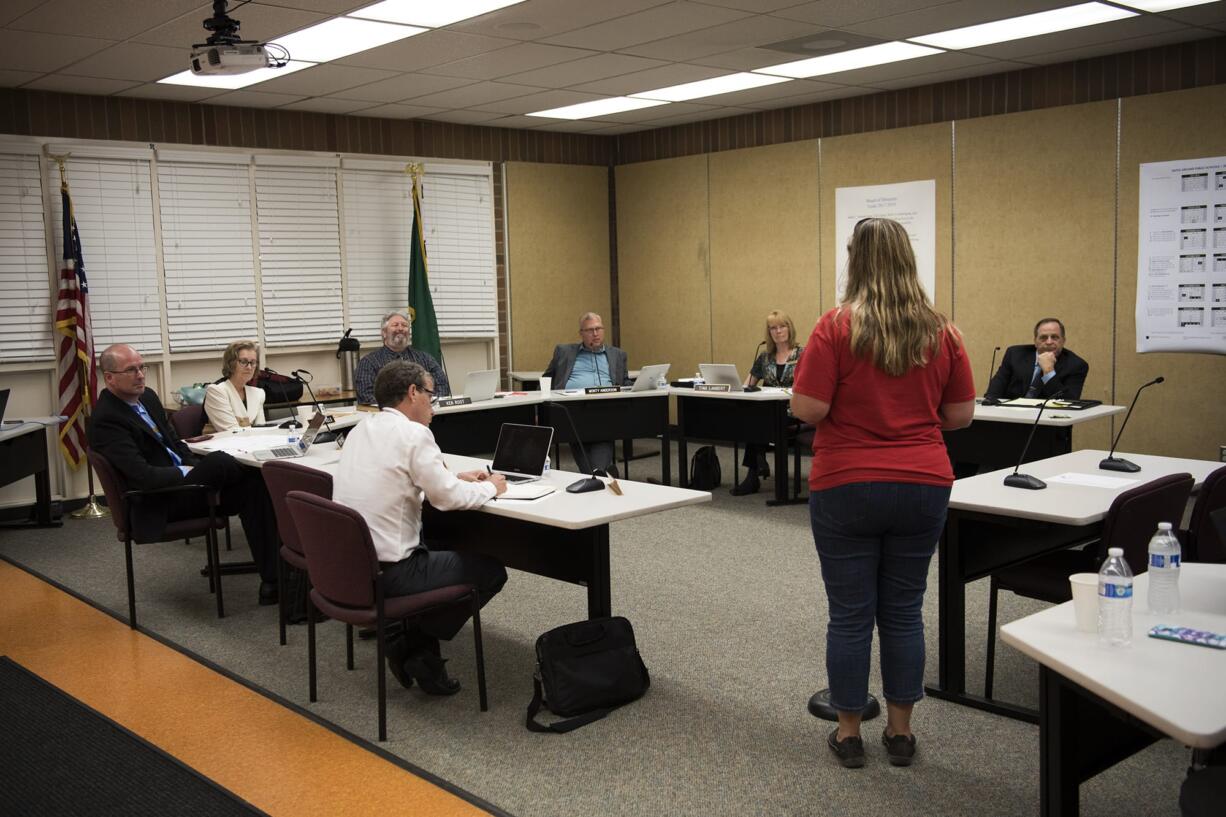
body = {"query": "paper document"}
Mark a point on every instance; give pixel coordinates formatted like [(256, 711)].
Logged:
[(242, 442), (1092, 480), (526, 491)]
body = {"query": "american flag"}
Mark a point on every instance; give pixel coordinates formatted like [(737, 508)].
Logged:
[(78, 377)]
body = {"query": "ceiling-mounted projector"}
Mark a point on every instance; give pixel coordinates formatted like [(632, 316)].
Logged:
[(226, 60)]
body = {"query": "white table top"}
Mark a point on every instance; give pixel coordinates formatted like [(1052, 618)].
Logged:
[(1052, 416), (1064, 503), (767, 394), (533, 375), (505, 401), (562, 396), (1179, 689), (11, 430)]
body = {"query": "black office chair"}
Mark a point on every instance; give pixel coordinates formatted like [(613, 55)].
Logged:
[(1201, 541), (1130, 522)]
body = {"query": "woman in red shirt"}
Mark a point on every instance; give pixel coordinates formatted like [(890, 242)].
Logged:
[(882, 374)]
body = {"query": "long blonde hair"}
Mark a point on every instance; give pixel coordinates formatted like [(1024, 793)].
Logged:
[(778, 317), (892, 320)]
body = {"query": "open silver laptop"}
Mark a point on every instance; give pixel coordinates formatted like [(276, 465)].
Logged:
[(720, 373), (521, 452), (481, 386), (298, 449), (648, 375)]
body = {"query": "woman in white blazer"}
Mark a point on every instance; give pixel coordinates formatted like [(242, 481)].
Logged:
[(232, 403)]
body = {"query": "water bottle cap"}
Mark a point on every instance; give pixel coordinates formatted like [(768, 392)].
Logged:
[(1115, 551), (1164, 526)]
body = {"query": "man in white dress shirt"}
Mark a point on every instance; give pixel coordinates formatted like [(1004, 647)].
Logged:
[(389, 466)]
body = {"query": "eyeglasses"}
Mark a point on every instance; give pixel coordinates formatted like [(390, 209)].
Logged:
[(247, 364), (433, 396), (131, 370), (592, 330)]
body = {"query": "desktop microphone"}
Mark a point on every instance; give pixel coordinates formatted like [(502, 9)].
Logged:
[(1112, 462), (755, 360), (324, 436), (1016, 480), (580, 486), (991, 401)]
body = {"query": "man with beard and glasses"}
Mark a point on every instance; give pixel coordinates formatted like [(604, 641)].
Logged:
[(397, 332)]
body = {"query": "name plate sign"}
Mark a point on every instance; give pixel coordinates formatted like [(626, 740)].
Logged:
[(602, 389), (454, 401), (712, 387)]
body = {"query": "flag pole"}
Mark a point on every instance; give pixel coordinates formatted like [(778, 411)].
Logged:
[(91, 509)]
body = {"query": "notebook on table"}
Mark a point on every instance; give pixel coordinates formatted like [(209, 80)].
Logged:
[(521, 452), (294, 450)]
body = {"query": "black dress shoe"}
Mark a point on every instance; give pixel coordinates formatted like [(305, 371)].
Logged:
[(430, 671), (749, 486), (397, 651), (268, 593)]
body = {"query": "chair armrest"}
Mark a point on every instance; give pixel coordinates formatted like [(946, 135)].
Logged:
[(211, 494)]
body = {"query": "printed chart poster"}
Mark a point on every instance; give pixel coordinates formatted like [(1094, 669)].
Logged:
[(911, 204), (1181, 257)]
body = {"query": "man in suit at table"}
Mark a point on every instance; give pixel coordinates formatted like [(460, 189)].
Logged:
[(589, 363), (1042, 370), (129, 427), (397, 331)]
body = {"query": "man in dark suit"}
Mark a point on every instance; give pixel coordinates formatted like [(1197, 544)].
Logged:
[(1042, 370), (589, 363), (129, 427)]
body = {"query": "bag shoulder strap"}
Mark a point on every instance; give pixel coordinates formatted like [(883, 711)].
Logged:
[(561, 727)]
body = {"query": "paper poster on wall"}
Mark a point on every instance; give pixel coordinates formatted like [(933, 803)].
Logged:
[(911, 204), (1181, 257)]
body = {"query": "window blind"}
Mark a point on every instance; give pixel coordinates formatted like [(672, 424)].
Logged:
[(26, 311), (113, 203), (458, 215), (300, 253), (378, 220), (206, 247)]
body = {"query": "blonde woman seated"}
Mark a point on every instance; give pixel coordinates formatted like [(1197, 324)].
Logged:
[(776, 366), (232, 403)]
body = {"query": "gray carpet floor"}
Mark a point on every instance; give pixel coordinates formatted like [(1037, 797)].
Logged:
[(729, 611)]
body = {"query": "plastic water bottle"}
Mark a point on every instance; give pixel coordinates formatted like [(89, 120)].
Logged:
[(1164, 559), (545, 471), (1115, 600), (661, 382)]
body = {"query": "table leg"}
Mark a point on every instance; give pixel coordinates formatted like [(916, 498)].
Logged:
[(666, 460), (599, 593), (42, 494), (683, 459), (779, 420)]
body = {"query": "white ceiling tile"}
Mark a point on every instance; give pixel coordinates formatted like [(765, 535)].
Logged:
[(13, 9), (949, 16), (329, 7), (671, 110), (405, 86), (1178, 35), (322, 80), (756, 6), (513, 60), (11, 79), (759, 30), (841, 13), (876, 74), (328, 104), (179, 93), (135, 61), (424, 50), (80, 85), (536, 19), (663, 21), (254, 99), (544, 101), (1211, 14), (1105, 33), (700, 116), (258, 22), (473, 96), (745, 59), (935, 77), (601, 66), (397, 111), (651, 79), (464, 117), (767, 93), (834, 92), (25, 51), (109, 19)]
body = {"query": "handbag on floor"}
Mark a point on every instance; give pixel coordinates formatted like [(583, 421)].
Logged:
[(584, 671), (705, 472)]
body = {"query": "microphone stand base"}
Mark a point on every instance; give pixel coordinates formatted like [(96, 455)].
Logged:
[(585, 485), (1025, 481), (1117, 464)]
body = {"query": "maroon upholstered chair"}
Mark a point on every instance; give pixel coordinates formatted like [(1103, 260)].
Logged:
[(281, 477), (123, 503), (1130, 522), (347, 585), (1201, 541), (188, 421)]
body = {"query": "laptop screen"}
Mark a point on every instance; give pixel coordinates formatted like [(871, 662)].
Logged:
[(522, 449)]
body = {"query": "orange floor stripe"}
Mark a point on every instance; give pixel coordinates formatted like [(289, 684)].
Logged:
[(263, 752)]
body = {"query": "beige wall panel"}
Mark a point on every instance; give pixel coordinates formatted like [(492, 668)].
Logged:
[(1184, 417), (1034, 209), (662, 263), (763, 204), (557, 253), (888, 157)]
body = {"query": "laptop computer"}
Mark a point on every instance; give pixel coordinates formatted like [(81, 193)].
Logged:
[(4, 401), (298, 449), (649, 375), (480, 386), (521, 452), (721, 373)]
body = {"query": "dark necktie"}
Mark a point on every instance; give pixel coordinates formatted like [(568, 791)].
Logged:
[(1036, 383)]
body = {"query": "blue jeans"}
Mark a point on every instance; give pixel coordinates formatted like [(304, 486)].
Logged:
[(875, 540)]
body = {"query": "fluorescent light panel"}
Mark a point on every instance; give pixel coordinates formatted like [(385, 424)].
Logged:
[(1162, 5), (599, 107), (234, 81), (340, 37), (430, 13), (710, 87), (849, 60), (1028, 25)]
